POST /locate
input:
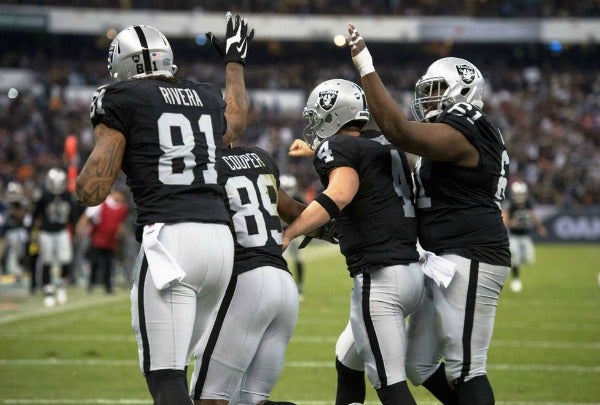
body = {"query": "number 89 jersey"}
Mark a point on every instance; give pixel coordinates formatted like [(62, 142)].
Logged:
[(251, 180), (173, 132)]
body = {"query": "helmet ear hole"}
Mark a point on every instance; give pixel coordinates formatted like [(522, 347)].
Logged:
[(464, 91)]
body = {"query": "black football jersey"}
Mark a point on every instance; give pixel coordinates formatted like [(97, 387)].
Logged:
[(378, 228), (56, 211), (251, 180), (174, 136), (522, 214), (459, 208)]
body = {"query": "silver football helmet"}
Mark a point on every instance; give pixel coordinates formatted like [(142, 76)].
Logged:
[(519, 192), (56, 180), (288, 183), (330, 106), (138, 51), (447, 82)]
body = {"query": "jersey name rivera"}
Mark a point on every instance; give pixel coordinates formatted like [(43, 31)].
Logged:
[(179, 96)]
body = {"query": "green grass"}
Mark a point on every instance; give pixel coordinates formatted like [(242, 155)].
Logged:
[(546, 346)]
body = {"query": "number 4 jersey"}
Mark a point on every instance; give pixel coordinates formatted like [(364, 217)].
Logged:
[(378, 228), (173, 132)]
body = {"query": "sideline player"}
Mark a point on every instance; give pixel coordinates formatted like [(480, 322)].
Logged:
[(55, 212), (289, 183), (520, 219)]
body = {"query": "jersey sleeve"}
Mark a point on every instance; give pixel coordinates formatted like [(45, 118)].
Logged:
[(479, 131), (337, 151), (109, 107)]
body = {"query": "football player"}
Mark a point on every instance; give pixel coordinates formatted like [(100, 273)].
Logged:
[(461, 179), (54, 217), (166, 135), (350, 369), (369, 193), (520, 219), (289, 184), (247, 344)]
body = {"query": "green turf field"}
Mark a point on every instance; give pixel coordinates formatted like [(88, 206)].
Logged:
[(546, 347)]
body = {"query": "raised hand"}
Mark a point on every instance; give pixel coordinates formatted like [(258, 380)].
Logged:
[(358, 49), (237, 38), (354, 40)]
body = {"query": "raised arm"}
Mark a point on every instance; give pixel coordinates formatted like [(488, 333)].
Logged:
[(439, 142), (234, 50), (236, 112)]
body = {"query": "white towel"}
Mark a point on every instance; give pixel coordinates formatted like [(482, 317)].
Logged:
[(439, 269), (163, 268)]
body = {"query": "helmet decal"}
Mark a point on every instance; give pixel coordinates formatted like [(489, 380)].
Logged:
[(466, 72), (140, 51), (330, 106), (327, 99)]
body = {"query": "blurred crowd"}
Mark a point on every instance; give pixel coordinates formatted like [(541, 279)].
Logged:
[(472, 8), (547, 105)]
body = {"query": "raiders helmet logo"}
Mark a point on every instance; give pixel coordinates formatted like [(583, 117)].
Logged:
[(466, 72), (327, 99)]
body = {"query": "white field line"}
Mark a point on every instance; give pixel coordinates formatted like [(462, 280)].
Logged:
[(570, 368), (69, 307), (101, 401), (539, 344)]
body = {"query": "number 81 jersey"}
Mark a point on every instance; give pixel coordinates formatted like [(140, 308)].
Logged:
[(173, 132)]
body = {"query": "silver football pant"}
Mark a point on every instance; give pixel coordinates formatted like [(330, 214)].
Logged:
[(455, 323), (168, 323), (380, 302), (242, 357)]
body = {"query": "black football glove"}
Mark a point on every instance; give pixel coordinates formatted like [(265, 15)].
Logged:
[(326, 233), (237, 37)]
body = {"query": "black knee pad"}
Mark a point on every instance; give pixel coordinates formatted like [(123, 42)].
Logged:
[(168, 387)]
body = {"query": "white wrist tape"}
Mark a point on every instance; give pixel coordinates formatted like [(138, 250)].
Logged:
[(363, 62)]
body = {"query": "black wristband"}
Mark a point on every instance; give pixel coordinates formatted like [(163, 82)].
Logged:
[(329, 205)]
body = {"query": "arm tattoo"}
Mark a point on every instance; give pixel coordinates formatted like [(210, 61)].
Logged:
[(98, 175)]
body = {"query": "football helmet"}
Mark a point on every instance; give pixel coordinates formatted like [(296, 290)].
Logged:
[(14, 192), (519, 192), (289, 184), (330, 106), (447, 82), (138, 51), (56, 180)]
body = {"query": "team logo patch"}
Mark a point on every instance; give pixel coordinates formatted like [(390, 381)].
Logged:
[(466, 72), (327, 99)]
